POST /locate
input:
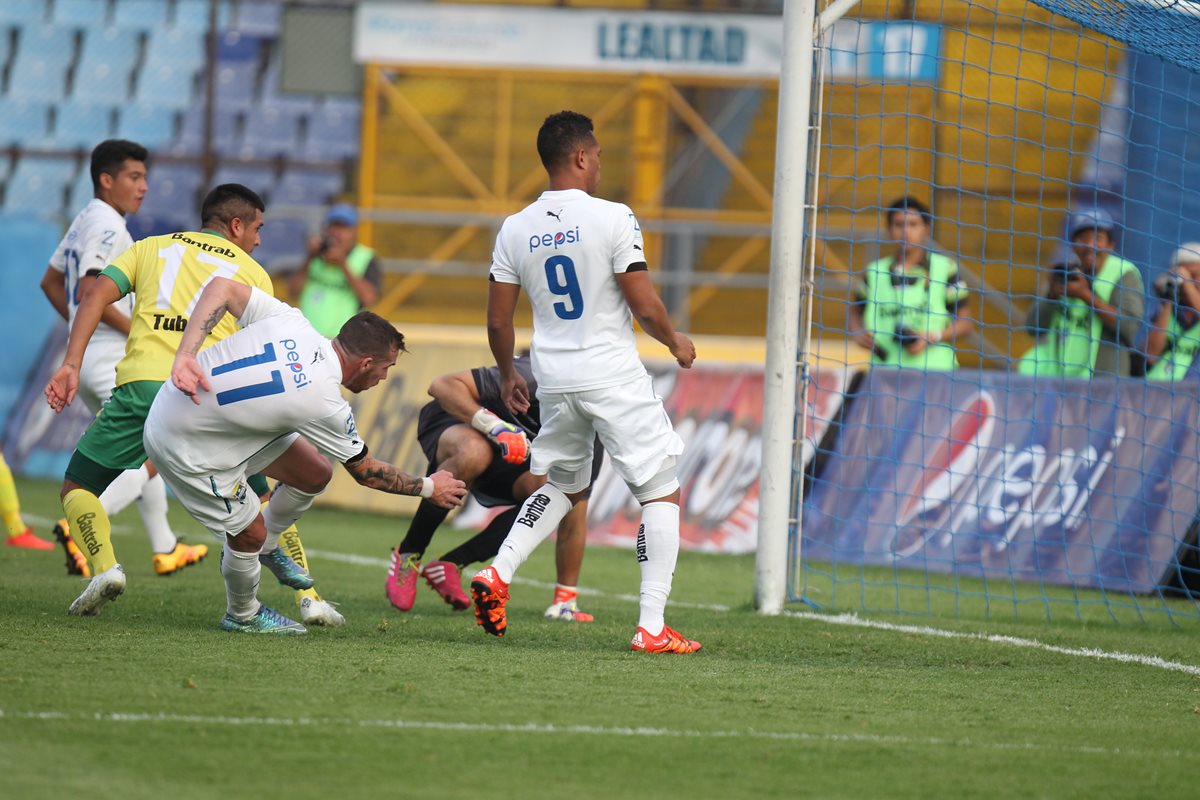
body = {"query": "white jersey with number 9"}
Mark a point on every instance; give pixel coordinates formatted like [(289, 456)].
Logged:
[(565, 250)]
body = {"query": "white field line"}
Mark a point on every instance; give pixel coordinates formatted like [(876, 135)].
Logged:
[(1013, 641), (853, 621), (584, 730)]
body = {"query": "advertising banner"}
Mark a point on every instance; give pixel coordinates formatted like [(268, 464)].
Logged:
[(601, 40), (1080, 483), (717, 410), (718, 413)]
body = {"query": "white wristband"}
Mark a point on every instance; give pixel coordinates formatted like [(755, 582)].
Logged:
[(484, 421), (427, 488)]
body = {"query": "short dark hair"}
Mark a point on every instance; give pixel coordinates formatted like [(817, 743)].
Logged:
[(368, 334), (909, 203), (228, 202), (561, 135), (110, 155)]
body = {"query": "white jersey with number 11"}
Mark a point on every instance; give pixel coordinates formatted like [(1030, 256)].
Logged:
[(275, 376)]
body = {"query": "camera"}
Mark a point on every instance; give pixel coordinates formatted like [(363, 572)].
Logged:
[(1068, 271), (325, 243), (1167, 287), (906, 336)]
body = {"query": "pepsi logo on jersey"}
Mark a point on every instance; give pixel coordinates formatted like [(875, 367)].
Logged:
[(294, 364), (555, 240)]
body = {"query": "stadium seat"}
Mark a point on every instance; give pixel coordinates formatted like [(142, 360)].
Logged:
[(173, 193), (307, 187), (105, 65), (237, 46), (39, 70), (37, 185), (28, 12), (333, 131), (81, 193), (81, 124), (191, 132), (270, 132), (237, 84), (23, 123), (272, 95), (149, 126), (259, 18), (177, 47), (140, 15), (143, 224), (88, 14), (194, 14), (168, 76), (260, 179), (284, 241)]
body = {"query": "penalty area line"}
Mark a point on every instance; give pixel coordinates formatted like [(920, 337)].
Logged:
[(870, 739), (854, 620)]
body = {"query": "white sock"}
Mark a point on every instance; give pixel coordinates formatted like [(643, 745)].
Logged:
[(286, 506), (241, 572), (152, 506), (538, 518), (124, 489), (657, 551)]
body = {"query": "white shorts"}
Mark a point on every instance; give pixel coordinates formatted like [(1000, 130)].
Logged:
[(220, 501), (630, 420), (98, 375)]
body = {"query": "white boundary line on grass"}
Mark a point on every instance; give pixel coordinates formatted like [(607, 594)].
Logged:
[(852, 620), (587, 730), (1014, 641)]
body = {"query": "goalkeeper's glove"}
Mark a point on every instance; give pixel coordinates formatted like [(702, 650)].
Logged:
[(511, 439)]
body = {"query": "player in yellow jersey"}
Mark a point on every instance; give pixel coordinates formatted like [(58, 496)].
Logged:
[(167, 273)]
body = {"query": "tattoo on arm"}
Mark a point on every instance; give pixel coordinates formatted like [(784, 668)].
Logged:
[(382, 476)]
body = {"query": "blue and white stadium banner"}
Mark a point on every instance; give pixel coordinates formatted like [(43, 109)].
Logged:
[(726, 45), (1088, 484)]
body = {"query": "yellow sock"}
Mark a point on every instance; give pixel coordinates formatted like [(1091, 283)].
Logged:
[(289, 540), (91, 529), (10, 507)]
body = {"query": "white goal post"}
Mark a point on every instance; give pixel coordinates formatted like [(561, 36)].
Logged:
[(790, 297)]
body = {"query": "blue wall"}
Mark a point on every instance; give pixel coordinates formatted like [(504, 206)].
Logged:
[(25, 315)]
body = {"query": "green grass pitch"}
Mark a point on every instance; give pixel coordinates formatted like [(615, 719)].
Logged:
[(151, 700)]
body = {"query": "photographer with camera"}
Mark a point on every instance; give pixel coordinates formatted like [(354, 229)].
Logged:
[(341, 277), (1092, 310), (910, 306), (1174, 336)]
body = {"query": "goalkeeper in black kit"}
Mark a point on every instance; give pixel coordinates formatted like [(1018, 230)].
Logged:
[(468, 430)]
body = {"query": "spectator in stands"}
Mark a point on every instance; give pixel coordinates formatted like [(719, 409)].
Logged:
[(911, 306), (1174, 336), (1092, 309), (341, 277)]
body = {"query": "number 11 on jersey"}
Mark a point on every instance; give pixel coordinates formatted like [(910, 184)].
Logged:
[(274, 385)]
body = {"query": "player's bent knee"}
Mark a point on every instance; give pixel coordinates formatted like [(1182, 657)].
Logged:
[(250, 539), (663, 485)]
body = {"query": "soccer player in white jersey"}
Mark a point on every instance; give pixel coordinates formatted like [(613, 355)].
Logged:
[(96, 237), (582, 263), (268, 399)]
